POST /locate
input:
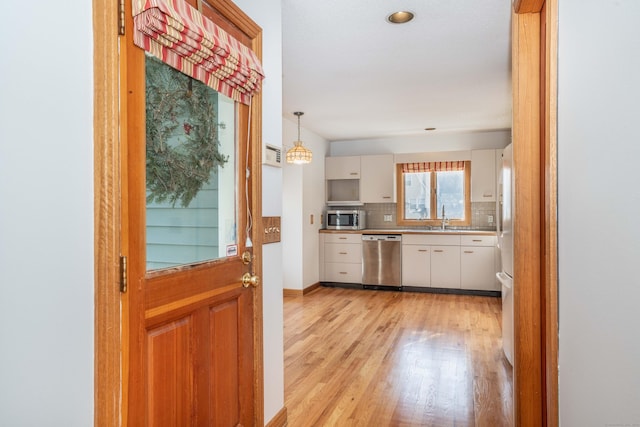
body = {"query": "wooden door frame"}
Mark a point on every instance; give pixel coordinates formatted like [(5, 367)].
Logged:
[(535, 247), (106, 121), (109, 164)]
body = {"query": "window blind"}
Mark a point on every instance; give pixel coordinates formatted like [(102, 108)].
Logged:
[(457, 165), (178, 34)]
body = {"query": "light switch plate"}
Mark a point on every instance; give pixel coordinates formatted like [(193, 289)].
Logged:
[(271, 229), (387, 218)]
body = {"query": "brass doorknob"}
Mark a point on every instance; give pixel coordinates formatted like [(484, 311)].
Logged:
[(250, 279)]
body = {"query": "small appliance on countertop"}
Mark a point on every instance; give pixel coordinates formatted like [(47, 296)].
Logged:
[(345, 219)]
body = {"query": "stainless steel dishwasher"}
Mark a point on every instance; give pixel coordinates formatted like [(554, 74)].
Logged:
[(381, 260)]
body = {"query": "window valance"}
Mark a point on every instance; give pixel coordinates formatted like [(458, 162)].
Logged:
[(457, 165), (176, 33)]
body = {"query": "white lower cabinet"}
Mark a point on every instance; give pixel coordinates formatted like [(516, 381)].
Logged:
[(416, 265), (428, 260), (343, 258), (477, 263), (445, 267), (432, 260), (477, 268)]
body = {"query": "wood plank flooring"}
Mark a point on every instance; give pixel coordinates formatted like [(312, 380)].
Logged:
[(381, 358)]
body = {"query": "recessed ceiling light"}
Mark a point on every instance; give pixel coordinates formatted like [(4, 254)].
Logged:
[(401, 17), (429, 128)]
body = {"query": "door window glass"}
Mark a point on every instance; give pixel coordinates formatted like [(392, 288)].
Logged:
[(190, 169)]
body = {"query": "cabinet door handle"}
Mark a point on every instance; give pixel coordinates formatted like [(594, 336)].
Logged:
[(468, 252), (343, 272), (353, 173), (422, 250), (386, 197), (438, 250), (342, 238), (342, 253), (477, 240)]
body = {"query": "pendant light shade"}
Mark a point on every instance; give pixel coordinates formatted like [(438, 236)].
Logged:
[(299, 154)]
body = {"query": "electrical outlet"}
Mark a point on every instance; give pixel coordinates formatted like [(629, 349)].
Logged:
[(387, 218), (490, 219)]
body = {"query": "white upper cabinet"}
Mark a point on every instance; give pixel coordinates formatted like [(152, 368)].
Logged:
[(342, 180), (346, 167), (371, 178), (483, 176), (377, 179)]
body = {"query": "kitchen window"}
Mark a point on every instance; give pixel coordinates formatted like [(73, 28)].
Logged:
[(431, 191)]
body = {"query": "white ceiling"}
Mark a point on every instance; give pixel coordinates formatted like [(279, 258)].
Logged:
[(356, 76)]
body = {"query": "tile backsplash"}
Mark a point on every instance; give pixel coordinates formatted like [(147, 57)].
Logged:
[(480, 213)]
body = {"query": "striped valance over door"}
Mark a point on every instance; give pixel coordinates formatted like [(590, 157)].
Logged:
[(179, 35), (457, 165)]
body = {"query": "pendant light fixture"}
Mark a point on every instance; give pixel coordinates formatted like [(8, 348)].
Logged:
[(299, 155)]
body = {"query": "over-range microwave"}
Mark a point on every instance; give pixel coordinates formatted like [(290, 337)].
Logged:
[(345, 219)]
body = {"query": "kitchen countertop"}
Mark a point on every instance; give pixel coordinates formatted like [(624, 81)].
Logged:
[(412, 231)]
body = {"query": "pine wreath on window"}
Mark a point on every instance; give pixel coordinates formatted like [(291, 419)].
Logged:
[(182, 134)]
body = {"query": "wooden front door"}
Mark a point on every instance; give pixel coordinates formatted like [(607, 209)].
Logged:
[(192, 328)]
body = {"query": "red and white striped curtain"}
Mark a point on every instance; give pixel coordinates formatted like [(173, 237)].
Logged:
[(176, 33), (457, 165)]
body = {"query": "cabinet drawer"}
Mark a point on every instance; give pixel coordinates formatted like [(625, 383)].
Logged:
[(431, 239), (343, 252), (343, 238), (478, 240), (342, 272)]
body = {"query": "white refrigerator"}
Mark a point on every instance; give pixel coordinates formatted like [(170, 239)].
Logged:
[(505, 243)]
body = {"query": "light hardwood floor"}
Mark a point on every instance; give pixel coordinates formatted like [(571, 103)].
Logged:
[(381, 358)]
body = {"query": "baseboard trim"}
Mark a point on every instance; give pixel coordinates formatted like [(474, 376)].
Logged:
[(300, 292), (419, 289), (279, 420), (292, 292)]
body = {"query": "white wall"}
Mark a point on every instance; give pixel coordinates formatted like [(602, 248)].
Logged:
[(292, 212), (267, 14), (313, 193), (429, 142), (46, 214), (303, 193), (599, 203)]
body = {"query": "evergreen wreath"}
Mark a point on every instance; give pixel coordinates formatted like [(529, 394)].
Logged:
[(182, 136)]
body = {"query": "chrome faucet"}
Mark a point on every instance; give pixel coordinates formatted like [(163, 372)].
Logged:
[(445, 221)]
